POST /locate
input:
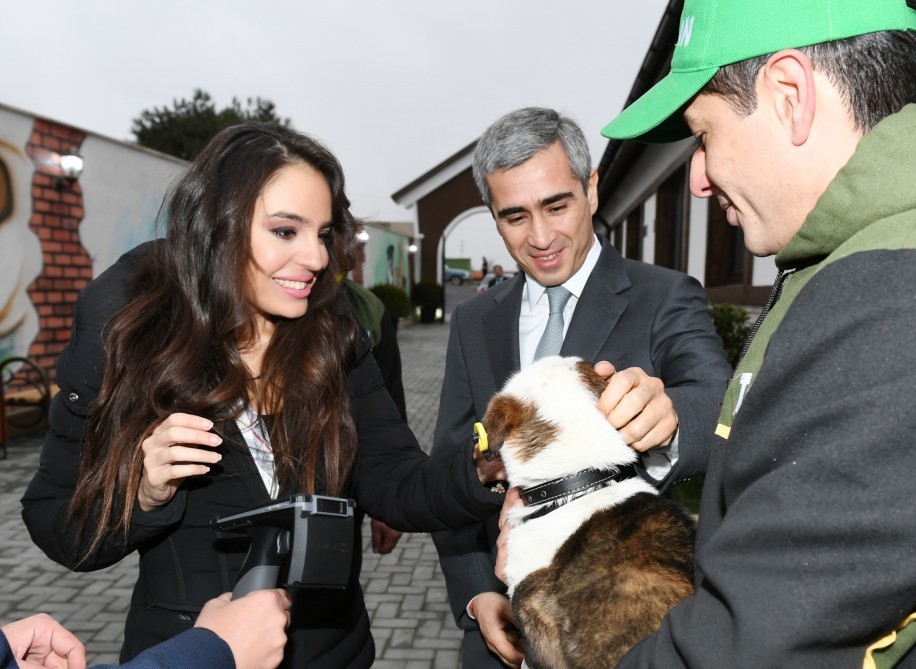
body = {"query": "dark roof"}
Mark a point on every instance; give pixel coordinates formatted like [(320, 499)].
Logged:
[(621, 154), (463, 153)]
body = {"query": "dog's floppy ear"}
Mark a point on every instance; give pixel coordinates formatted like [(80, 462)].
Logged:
[(591, 379), (509, 417), (503, 417)]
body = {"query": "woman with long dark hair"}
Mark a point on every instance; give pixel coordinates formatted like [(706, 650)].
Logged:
[(217, 368)]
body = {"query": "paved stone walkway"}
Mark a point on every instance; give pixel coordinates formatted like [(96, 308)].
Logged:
[(405, 592)]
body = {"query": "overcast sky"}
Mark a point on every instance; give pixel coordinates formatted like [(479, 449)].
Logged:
[(392, 87)]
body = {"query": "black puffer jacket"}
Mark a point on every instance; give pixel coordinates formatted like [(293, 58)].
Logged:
[(183, 562)]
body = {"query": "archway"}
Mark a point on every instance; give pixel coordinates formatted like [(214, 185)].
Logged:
[(445, 250), (471, 236)]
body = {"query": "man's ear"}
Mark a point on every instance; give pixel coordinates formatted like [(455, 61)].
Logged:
[(592, 191), (788, 81)]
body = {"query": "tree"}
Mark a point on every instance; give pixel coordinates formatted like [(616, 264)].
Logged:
[(185, 129)]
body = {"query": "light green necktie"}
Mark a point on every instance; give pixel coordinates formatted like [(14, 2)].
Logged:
[(552, 339)]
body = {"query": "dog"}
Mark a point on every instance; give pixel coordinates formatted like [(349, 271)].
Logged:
[(595, 557)]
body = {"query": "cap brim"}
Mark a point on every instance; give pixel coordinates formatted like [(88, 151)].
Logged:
[(657, 116)]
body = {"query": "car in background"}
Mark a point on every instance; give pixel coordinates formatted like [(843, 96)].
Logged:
[(457, 276)]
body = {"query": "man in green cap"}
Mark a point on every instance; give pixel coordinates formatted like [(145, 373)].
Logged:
[(806, 135)]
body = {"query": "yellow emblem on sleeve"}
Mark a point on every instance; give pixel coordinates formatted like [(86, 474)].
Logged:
[(480, 437)]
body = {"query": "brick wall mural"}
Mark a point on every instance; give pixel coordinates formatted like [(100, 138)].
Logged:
[(57, 209), (57, 233)]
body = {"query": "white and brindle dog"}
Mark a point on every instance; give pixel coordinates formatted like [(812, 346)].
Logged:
[(595, 557)]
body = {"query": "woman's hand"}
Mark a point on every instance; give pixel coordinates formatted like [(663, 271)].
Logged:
[(384, 538), (170, 455)]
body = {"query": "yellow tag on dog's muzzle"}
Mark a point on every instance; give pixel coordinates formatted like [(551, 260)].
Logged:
[(480, 438)]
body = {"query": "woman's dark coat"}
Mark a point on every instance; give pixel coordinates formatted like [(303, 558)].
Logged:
[(183, 562)]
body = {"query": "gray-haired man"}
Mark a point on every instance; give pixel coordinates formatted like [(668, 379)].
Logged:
[(651, 325)]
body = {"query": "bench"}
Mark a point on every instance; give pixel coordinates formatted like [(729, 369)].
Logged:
[(26, 396)]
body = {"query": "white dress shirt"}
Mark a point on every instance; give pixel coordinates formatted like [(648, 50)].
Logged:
[(533, 320)]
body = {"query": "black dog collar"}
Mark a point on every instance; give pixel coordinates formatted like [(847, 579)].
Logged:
[(554, 494)]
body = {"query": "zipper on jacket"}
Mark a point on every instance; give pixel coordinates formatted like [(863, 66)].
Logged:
[(773, 299), (170, 613)]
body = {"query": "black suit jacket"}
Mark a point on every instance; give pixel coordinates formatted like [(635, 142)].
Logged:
[(630, 313)]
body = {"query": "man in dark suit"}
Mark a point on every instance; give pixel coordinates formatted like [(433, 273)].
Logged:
[(498, 276), (650, 325)]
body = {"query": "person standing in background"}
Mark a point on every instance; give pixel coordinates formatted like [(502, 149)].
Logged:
[(498, 276)]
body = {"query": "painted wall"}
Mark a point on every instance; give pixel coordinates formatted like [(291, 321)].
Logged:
[(387, 260), (57, 234), (20, 251), (123, 188)]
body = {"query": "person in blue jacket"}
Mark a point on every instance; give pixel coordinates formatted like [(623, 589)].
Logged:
[(247, 633)]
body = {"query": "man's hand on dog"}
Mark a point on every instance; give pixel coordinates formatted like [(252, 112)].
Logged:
[(494, 616), (636, 404), (499, 629), (513, 499)]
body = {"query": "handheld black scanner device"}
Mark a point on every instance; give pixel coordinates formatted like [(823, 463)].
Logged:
[(304, 541)]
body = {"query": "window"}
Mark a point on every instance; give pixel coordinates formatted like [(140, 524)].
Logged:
[(726, 258), (634, 234), (671, 221)]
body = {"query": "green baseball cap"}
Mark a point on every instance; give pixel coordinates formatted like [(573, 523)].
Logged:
[(714, 33)]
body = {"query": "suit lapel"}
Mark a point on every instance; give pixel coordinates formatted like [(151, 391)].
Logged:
[(501, 331), (599, 307)]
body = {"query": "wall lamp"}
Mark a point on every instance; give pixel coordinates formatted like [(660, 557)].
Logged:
[(412, 248), (362, 236), (71, 166), (65, 168)]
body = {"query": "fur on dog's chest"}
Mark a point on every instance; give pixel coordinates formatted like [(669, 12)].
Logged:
[(608, 586)]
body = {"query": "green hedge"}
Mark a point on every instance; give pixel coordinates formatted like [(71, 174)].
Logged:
[(732, 325), (428, 294), (394, 299)]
